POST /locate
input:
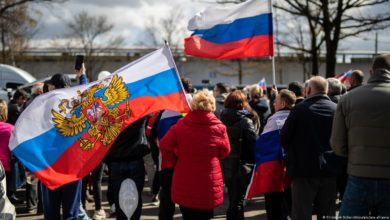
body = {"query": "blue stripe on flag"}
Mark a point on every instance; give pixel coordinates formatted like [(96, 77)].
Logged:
[(268, 147), (237, 30), (165, 124), (42, 150)]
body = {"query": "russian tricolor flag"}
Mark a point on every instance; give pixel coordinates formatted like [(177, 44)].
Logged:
[(238, 31), (263, 84), (345, 77), (269, 173), (65, 133)]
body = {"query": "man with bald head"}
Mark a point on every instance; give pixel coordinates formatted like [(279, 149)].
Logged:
[(305, 137), (356, 79), (360, 132)]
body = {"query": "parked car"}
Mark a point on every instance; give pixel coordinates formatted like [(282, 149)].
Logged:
[(10, 78)]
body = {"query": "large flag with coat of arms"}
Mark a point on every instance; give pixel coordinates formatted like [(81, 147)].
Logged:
[(64, 134)]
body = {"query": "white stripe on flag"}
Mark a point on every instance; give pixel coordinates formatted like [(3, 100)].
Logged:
[(226, 15)]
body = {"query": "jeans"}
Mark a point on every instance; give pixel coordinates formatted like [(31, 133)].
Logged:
[(82, 213), (68, 196), (120, 171), (97, 175), (363, 195), (32, 195)]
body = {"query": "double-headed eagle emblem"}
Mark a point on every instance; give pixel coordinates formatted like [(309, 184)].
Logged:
[(96, 109)]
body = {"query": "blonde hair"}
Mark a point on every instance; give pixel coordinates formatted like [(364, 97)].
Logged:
[(3, 110), (255, 91), (203, 100)]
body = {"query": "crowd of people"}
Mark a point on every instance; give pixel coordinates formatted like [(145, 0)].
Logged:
[(331, 141)]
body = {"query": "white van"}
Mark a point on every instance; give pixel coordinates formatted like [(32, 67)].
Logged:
[(11, 77)]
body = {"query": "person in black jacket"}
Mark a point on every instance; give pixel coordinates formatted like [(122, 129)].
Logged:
[(260, 104), (16, 105), (125, 160), (237, 167), (305, 137)]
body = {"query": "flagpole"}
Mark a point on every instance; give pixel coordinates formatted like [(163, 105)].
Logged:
[(273, 46), (273, 71)]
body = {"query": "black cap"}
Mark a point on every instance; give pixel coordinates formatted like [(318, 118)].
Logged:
[(59, 81)]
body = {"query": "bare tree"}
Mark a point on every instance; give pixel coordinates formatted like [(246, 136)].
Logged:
[(339, 19), (6, 5), (169, 28), (15, 34), (296, 36), (17, 26), (150, 29), (85, 30)]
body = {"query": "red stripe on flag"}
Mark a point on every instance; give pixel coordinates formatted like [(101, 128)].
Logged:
[(268, 177), (76, 163), (250, 47)]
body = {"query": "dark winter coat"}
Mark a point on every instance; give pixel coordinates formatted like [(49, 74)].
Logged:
[(131, 144), (239, 126), (262, 109), (305, 136)]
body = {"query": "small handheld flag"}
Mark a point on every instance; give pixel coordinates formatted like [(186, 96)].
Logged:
[(345, 77), (263, 84)]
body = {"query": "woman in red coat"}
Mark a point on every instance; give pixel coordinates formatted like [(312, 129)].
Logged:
[(195, 145)]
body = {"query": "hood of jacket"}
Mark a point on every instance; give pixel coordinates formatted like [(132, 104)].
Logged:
[(232, 116), (380, 76)]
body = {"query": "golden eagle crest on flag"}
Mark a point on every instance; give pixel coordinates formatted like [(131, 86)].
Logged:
[(97, 108)]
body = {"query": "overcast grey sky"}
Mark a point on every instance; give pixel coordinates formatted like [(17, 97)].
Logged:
[(129, 18)]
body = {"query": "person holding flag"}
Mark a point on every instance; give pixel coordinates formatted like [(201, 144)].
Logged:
[(69, 195), (270, 172), (64, 134)]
